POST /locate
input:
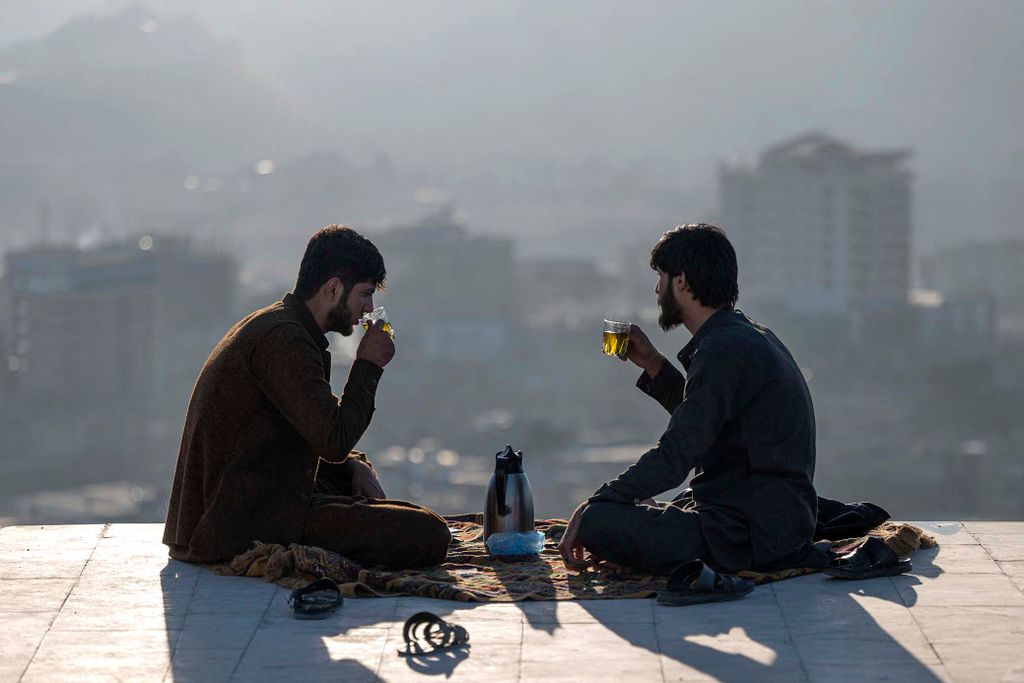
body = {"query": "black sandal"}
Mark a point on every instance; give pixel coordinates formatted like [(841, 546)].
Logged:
[(872, 559), (694, 582), (425, 633), (315, 601)]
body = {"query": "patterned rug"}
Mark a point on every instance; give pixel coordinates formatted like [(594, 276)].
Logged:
[(470, 574)]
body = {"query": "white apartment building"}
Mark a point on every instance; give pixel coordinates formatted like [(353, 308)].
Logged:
[(819, 226)]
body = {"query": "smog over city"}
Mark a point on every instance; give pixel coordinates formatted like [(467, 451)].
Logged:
[(164, 164)]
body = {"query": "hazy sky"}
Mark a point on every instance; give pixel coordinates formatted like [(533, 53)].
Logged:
[(467, 82)]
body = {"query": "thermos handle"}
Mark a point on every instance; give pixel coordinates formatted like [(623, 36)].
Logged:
[(500, 479)]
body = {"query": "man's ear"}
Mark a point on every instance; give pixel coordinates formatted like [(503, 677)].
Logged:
[(334, 289), (680, 283)]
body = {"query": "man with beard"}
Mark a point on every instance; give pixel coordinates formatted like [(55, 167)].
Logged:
[(742, 420), (266, 453)]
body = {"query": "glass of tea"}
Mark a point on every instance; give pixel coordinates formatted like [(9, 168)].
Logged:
[(615, 339), (374, 316)]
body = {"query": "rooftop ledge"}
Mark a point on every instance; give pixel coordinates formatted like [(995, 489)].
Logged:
[(84, 602)]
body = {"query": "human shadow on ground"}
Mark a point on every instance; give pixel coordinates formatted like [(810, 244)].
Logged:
[(212, 621), (806, 627), (826, 630), (223, 627), (541, 619)]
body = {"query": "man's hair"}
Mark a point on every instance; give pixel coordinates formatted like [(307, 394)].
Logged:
[(341, 252), (703, 254)]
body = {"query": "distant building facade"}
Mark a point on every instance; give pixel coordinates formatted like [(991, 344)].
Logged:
[(455, 292), (979, 269), (110, 323), (955, 328), (821, 227)]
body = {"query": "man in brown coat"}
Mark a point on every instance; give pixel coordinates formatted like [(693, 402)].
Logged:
[(266, 453)]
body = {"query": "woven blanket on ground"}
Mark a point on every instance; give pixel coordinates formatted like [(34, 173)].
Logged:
[(470, 574)]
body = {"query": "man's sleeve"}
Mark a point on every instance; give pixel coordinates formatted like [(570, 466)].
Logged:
[(666, 387), (717, 388), (289, 369)]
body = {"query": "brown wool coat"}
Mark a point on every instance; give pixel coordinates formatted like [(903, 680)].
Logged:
[(262, 415)]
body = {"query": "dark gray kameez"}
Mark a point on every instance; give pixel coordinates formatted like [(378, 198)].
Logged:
[(742, 418)]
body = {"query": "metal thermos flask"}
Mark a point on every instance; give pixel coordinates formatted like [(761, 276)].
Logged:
[(509, 504)]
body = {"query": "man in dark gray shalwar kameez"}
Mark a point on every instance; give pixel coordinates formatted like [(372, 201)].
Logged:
[(742, 420)]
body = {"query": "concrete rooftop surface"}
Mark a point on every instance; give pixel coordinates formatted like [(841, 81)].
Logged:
[(103, 602)]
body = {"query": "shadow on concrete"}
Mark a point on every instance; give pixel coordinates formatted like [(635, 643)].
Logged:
[(827, 630), (208, 644), (538, 620), (828, 633), (439, 663), (924, 562)]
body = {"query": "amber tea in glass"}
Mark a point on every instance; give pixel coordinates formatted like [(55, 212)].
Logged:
[(378, 314), (615, 339)]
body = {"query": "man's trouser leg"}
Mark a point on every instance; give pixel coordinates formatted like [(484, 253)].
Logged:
[(648, 539), (392, 533)]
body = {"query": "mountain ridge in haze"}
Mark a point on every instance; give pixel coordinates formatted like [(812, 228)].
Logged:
[(133, 86)]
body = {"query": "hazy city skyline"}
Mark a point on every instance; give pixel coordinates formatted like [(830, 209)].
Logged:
[(477, 98), (515, 166)]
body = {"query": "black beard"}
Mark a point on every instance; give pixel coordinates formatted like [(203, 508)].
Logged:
[(340, 320), (670, 315)]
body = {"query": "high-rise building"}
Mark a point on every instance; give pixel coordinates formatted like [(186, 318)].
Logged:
[(820, 226)]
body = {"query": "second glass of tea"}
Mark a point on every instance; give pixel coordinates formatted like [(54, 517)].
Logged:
[(615, 339), (374, 316)]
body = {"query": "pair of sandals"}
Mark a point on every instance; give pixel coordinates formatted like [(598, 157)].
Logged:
[(691, 583), (424, 633), (694, 582), (318, 600), (870, 560)]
